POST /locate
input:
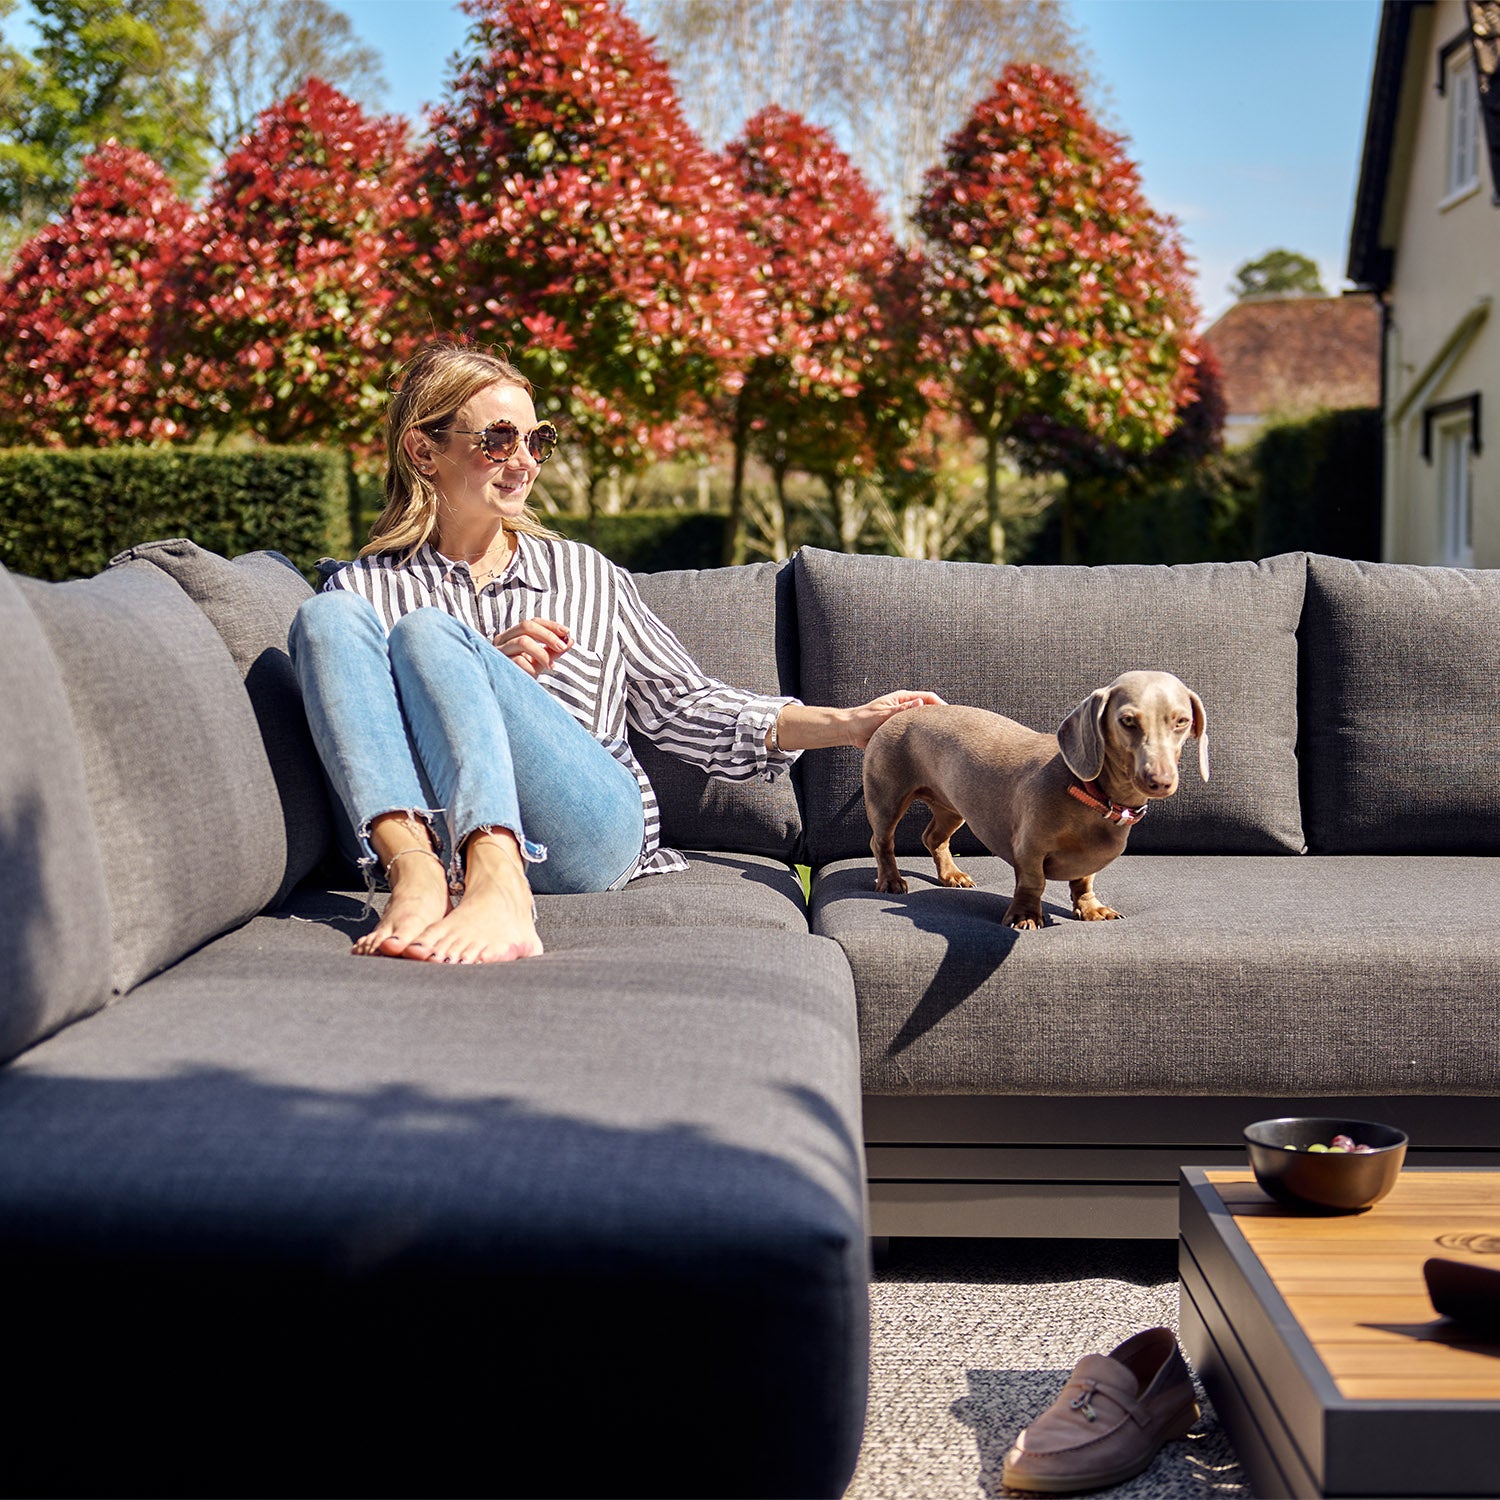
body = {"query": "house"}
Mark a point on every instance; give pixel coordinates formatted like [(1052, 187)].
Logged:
[(1426, 241), (1284, 357)]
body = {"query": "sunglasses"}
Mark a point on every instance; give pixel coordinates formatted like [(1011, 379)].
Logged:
[(499, 441)]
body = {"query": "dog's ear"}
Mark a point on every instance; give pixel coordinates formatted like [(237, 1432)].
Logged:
[(1081, 736), (1200, 733)]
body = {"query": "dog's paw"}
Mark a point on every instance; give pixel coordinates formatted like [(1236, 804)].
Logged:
[(890, 885), (957, 880), (1025, 921), (1098, 912)]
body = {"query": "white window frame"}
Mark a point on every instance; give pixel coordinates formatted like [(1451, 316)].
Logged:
[(1455, 476), (1461, 160)]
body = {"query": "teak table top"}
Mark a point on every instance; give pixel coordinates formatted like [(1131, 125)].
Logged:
[(1354, 1282)]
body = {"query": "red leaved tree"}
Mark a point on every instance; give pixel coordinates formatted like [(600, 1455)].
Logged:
[(838, 379), (286, 289), (1065, 296), (80, 308), (566, 209)]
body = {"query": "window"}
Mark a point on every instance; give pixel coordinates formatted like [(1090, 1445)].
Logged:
[(1462, 88), (1455, 492), (1451, 435)]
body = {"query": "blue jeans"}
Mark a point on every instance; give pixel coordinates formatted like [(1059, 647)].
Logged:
[(433, 721)]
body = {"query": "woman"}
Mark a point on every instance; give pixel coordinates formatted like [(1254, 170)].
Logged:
[(469, 680)]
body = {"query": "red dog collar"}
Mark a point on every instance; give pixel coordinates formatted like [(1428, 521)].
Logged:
[(1089, 794)]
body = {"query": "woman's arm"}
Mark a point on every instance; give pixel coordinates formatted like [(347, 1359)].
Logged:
[(800, 726)]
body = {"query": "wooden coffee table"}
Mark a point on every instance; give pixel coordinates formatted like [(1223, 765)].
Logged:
[(1319, 1348)]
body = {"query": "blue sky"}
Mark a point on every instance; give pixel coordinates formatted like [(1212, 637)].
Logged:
[(1245, 116)]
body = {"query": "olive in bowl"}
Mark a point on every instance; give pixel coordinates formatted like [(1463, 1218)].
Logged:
[(1308, 1161)]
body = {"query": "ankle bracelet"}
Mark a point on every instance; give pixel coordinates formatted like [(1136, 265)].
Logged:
[(430, 853)]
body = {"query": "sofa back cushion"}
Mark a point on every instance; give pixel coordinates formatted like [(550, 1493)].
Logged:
[(735, 623), (1031, 643), (1399, 708), (183, 800), (54, 943), (251, 602)]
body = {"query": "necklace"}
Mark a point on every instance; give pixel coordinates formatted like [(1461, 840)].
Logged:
[(481, 574)]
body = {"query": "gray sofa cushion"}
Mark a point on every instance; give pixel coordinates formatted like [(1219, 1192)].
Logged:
[(1033, 642), (457, 1189), (183, 799), (730, 623), (54, 951), (252, 601), (1250, 975), (716, 890), (1399, 709)]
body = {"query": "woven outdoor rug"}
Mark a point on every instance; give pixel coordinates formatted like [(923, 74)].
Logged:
[(971, 1339)]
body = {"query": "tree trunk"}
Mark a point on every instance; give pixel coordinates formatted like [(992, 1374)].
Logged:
[(851, 519), (992, 495), (613, 500), (778, 515), (593, 509), (734, 522), (1067, 524)]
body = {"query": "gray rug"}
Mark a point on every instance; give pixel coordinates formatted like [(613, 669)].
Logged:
[(971, 1339)]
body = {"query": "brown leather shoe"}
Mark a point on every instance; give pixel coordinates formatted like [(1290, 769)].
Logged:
[(1111, 1419)]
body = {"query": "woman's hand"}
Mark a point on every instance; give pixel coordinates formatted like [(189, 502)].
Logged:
[(868, 717), (803, 727), (534, 644)]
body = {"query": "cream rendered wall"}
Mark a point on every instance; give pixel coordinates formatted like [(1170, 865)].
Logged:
[(1447, 261)]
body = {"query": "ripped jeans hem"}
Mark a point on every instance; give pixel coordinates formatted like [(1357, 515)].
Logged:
[(532, 853), (369, 862)]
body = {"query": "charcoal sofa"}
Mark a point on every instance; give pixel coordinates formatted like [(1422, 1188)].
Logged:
[(277, 1219)]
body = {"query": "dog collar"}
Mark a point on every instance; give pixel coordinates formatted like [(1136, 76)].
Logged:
[(1088, 793)]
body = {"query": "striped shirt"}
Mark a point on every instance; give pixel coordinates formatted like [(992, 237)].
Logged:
[(623, 668)]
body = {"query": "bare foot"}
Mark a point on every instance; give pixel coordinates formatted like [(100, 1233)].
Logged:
[(492, 923), (419, 897)]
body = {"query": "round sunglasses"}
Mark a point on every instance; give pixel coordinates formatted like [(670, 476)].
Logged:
[(499, 441)]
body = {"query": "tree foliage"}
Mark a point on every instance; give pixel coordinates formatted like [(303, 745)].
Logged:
[(100, 71), (285, 289), (566, 205), (1064, 295), (82, 311), (1278, 273), (837, 376)]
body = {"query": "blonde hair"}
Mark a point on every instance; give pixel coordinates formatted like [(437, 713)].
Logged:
[(433, 385)]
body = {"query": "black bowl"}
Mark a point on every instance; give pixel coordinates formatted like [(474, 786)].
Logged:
[(1336, 1181)]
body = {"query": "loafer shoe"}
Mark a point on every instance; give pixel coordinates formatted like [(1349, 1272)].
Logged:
[(1110, 1421)]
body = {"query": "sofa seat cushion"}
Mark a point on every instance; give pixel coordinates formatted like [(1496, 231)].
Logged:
[(1398, 708), (716, 890), (1031, 643), (1228, 975), (54, 906), (183, 800), (637, 1173)]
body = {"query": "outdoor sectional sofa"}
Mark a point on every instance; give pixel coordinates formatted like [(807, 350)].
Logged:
[(278, 1220)]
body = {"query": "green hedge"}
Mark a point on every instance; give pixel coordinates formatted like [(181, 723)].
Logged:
[(1320, 485), (64, 514), (650, 541)]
